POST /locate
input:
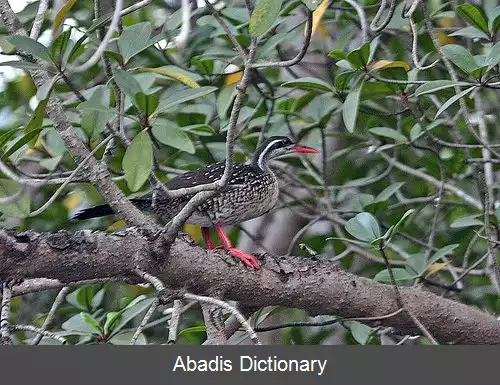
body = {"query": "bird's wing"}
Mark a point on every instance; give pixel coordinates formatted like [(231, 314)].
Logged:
[(212, 173)]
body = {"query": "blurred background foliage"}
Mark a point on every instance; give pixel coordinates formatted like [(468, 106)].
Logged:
[(391, 130)]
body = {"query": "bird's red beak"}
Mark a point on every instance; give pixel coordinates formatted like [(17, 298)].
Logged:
[(305, 149)]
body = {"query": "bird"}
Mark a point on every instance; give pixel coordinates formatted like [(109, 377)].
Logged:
[(252, 191)]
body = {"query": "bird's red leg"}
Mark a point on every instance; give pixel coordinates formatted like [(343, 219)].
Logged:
[(248, 259), (205, 231)]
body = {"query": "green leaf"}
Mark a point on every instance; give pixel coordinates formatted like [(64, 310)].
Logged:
[(132, 310), (28, 137), (81, 323), (138, 161), (20, 208), (263, 16), (360, 56), (24, 65), (127, 83), (361, 332), (350, 108), (95, 112), (6, 136), (30, 46), (146, 103), (416, 264), (183, 96), (61, 15), (171, 135), (111, 319), (125, 337), (392, 230), (473, 15), (199, 129), (353, 241), (364, 227), (309, 83), (388, 133), (225, 99), (193, 329), (494, 20), (388, 192), (470, 32), (452, 100), (183, 78), (59, 45), (31, 130), (337, 54), (460, 56), (399, 275), (377, 90), (134, 39), (441, 253), (466, 221), (44, 90), (437, 85), (493, 57)]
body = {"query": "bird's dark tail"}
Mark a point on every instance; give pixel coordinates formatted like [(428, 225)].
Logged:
[(94, 212), (143, 203)]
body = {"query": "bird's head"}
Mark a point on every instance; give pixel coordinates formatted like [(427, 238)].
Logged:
[(277, 146)]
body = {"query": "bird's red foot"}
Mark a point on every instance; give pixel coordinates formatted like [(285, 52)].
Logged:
[(247, 259)]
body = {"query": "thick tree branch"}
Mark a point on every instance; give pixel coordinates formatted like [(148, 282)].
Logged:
[(317, 287)]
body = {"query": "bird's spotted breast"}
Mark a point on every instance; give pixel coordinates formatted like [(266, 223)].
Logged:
[(249, 194)]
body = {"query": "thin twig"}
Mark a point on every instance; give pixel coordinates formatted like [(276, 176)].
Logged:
[(51, 315), (89, 63), (222, 23), (69, 179), (214, 301), (39, 18), (145, 320), (173, 327), (45, 333), (300, 55)]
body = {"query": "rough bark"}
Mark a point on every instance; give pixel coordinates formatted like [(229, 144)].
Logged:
[(317, 287)]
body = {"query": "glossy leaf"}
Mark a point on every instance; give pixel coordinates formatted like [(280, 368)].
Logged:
[(171, 135), (452, 100), (493, 57), (388, 133), (388, 192), (460, 56), (95, 112), (350, 108), (134, 39), (24, 65), (361, 332), (138, 161), (61, 15), (30, 46), (225, 100), (183, 78), (263, 16), (467, 221), (399, 275), (364, 227), (183, 96), (436, 85), (473, 15), (444, 251), (309, 83), (127, 83)]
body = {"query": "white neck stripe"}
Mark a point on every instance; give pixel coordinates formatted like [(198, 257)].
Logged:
[(264, 152)]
